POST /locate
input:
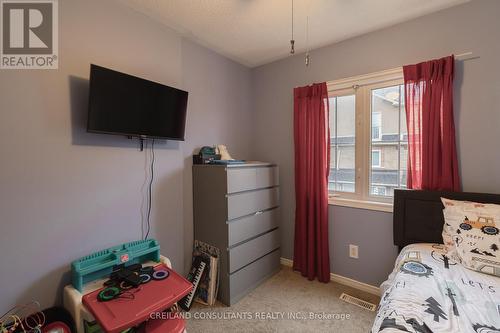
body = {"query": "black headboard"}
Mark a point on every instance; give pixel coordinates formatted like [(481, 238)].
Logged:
[(418, 215)]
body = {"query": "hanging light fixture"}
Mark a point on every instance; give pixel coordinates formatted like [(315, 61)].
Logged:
[(308, 58), (292, 41)]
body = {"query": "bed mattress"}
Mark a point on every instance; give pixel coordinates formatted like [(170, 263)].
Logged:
[(429, 292)]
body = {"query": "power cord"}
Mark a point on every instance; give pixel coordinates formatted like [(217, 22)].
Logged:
[(26, 318), (150, 189)]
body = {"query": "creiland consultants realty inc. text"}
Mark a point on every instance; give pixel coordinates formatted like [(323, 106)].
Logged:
[(248, 315)]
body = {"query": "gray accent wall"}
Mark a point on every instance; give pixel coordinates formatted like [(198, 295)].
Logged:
[(372, 232), (65, 193), (470, 27)]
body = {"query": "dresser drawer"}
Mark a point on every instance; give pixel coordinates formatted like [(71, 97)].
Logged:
[(245, 179), (249, 277), (245, 253), (247, 227), (247, 203)]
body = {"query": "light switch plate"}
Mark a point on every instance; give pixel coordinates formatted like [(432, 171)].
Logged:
[(353, 251)]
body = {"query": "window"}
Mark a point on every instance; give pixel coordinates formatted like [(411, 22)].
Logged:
[(342, 143), (376, 158), (379, 190), (387, 108), (376, 126), (368, 139)]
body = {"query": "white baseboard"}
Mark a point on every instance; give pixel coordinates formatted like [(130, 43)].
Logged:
[(342, 280), (286, 262)]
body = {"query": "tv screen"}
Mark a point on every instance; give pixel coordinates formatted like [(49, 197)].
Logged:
[(127, 105)]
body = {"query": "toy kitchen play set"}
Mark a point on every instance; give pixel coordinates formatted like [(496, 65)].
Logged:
[(126, 288)]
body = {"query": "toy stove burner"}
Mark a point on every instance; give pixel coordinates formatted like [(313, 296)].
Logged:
[(160, 274), (145, 278)]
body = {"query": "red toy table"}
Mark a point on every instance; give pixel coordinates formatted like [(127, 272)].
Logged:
[(121, 313), (173, 325)]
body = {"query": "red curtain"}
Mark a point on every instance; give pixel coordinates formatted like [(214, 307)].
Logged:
[(312, 158), (432, 156)]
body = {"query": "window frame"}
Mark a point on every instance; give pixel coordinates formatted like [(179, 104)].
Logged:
[(362, 86)]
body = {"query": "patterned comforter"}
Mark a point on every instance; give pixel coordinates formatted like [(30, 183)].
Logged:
[(429, 292)]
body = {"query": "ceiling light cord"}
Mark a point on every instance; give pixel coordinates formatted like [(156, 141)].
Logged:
[(292, 41), (307, 41)]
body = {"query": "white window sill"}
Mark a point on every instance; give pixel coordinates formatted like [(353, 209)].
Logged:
[(362, 204)]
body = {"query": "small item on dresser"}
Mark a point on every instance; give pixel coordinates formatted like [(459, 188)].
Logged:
[(206, 155), (223, 152), (225, 157), (228, 162)]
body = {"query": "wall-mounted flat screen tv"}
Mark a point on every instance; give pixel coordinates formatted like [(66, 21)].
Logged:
[(123, 104)]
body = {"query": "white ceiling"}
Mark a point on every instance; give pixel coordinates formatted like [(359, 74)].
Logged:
[(255, 32)]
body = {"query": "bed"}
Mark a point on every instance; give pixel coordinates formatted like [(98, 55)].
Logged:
[(428, 291)]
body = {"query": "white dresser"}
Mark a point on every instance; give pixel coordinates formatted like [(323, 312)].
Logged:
[(236, 210)]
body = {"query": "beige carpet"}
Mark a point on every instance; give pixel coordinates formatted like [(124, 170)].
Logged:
[(277, 300)]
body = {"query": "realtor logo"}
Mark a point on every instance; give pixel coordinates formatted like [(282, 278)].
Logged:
[(29, 34)]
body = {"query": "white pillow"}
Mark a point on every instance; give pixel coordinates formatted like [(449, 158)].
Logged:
[(472, 234), (451, 208)]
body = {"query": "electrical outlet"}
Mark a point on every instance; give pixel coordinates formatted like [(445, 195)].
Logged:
[(353, 251)]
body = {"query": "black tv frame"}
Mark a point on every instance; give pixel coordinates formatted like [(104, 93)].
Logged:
[(141, 137)]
